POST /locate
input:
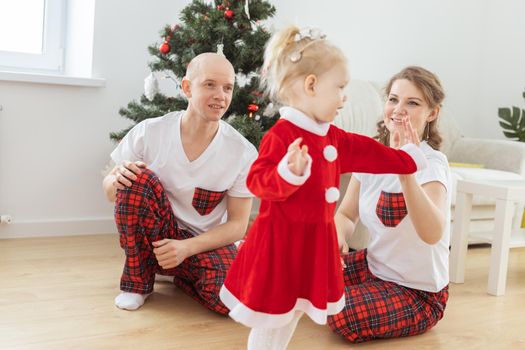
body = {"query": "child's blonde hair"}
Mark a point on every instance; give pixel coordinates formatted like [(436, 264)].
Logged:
[(296, 53)]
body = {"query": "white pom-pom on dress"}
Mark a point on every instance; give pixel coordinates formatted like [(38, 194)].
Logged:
[(330, 153), (331, 195)]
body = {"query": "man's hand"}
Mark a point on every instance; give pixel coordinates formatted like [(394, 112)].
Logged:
[(120, 177), (297, 157), (126, 173), (171, 253)]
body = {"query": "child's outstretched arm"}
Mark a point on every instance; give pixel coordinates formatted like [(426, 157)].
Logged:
[(365, 155), (280, 169)]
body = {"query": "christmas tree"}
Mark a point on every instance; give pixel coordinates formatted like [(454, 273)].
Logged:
[(228, 26)]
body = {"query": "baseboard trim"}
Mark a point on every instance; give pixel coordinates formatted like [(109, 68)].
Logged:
[(54, 228)]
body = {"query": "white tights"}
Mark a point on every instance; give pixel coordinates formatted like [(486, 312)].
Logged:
[(273, 338)]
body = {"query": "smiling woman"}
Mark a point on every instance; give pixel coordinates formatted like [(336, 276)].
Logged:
[(398, 285)]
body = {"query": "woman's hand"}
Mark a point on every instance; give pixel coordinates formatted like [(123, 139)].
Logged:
[(409, 135)]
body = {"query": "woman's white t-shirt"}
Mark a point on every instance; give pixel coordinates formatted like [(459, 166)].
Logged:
[(397, 253), (223, 166)]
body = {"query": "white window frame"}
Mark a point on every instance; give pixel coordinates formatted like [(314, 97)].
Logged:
[(52, 58)]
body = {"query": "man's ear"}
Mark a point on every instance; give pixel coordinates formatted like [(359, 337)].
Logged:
[(186, 87), (309, 84)]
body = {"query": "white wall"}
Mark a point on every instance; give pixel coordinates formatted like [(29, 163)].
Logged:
[(54, 139), (477, 47)]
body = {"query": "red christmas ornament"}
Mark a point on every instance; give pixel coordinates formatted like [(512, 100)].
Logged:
[(165, 48), (252, 108), (228, 14)]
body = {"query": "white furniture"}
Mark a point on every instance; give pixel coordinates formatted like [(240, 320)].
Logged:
[(501, 159), (506, 234)]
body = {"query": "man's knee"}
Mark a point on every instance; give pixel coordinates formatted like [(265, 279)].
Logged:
[(146, 182), (217, 305), (209, 288), (214, 303), (146, 178), (339, 325), (137, 202)]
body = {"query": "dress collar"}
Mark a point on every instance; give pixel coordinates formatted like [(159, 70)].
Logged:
[(301, 120)]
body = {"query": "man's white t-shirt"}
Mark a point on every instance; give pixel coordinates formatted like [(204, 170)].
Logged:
[(223, 166), (398, 254)]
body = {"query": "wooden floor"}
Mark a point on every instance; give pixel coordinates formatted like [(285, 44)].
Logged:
[(57, 293)]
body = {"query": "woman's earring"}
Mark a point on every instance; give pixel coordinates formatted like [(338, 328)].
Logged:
[(427, 131)]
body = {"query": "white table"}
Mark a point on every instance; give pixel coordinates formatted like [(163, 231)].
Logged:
[(504, 236)]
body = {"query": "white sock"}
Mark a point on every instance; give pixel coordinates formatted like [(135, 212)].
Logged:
[(273, 338), (163, 278), (130, 301)]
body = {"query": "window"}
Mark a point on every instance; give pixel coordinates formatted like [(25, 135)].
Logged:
[(32, 35)]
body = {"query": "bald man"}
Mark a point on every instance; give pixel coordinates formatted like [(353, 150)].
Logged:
[(180, 191)]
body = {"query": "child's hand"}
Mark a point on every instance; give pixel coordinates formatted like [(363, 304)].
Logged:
[(409, 135), (297, 157)]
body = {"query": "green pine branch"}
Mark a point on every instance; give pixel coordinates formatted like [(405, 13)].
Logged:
[(201, 28), (248, 127)]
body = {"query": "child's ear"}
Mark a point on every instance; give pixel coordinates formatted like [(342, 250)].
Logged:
[(309, 84), (186, 87)]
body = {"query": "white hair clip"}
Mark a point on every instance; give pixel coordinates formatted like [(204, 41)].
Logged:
[(311, 33), (296, 56)]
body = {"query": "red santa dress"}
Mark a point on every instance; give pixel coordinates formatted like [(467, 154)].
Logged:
[(290, 259)]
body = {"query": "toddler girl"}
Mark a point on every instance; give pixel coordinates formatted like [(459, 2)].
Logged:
[(289, 263)]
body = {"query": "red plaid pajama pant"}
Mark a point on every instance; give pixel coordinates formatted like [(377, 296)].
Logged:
[(378, 309), (143, 215)]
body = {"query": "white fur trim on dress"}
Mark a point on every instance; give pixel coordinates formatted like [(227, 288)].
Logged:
[(417, 155), (330, 153), (290, 177), (254, 319), (303, 121)]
